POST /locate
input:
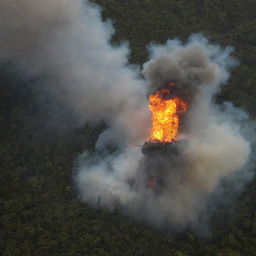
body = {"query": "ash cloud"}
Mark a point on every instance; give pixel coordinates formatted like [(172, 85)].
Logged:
[(68, 44)]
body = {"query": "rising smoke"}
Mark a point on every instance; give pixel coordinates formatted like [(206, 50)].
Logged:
[(214, 146), (67, 42)]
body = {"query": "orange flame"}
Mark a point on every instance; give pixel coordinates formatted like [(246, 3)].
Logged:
[(166, 113)]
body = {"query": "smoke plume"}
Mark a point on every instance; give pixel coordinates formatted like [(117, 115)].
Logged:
[(214, 145), (67, 43)]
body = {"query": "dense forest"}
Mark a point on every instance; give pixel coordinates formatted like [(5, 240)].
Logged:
[(40, 212)]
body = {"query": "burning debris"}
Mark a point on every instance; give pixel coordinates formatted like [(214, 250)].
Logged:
[(167, 110)]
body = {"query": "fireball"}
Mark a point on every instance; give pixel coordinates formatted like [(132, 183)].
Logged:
[(166, 112)]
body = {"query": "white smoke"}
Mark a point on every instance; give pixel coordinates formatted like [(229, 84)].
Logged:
[(67, 42)]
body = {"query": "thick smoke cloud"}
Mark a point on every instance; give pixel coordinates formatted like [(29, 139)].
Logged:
[(191, 66), (212, 144), (66, 42)]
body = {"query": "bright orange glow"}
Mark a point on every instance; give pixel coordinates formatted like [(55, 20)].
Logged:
[(166, 113)]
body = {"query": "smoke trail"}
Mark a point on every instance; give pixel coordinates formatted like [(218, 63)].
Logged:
[(67, 44)]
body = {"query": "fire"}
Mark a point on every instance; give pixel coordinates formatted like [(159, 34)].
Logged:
[(166, 111)]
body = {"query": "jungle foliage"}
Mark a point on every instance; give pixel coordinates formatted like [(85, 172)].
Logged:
[(40, 213)]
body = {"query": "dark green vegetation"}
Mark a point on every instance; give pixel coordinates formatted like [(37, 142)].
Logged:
[(39, 212)]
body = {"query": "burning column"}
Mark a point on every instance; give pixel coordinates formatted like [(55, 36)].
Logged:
[(161, 149), (167, 108)]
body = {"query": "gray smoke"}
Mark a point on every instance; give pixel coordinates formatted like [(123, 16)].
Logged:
[(191, 66), (67, 43)]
